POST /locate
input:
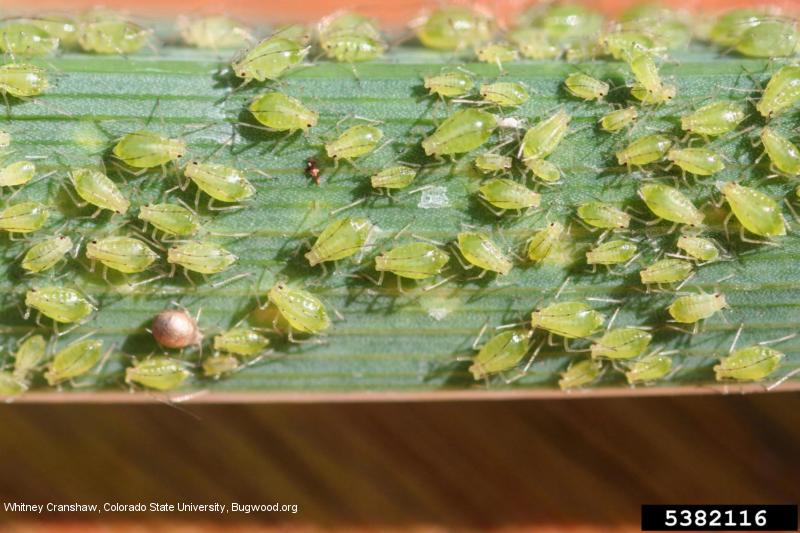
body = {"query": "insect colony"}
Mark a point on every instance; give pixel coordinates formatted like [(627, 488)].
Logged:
[(509, 157)]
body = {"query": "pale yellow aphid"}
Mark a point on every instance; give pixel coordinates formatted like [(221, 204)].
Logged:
[(756, 212), (480, 251), (618, 119), (17, 173), (622, 343), (569, 319), (580, 374), (214, 32), (543, 241), (695, 307), (698, 248), (648, 369), (611, 253), (586, 87), (670, 204)]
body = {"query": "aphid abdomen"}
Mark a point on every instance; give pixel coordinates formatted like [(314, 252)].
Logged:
[(695, 307), (749, 364), (755, 211), (159, 373), (568, 319), (417, 260), (611, 253), (464, 131), (303, 311), (340, 239), (502, 352), (482, 252)]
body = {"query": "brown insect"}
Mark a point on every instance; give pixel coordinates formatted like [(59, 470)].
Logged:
[(312, 170), (175, 328)]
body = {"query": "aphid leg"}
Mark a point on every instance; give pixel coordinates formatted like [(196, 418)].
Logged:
[(778, 340), (479, 276), (189, 278), (439, 283), (754, 241), (212, 207), (237, 277), (348, 206), (736, 338), (291, 339)]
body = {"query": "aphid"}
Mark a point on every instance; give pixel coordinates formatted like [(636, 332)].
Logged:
[(160, 373), (644, 150), (396, 177), (341, 238), (497, 53), (21, 80), (415, 260), (346, 21), (621, 343), (756, 212), (569, 319), (269, 59), (58, 26), (648, 369), (201, 257), (568, 22), (218, 365), (147, 149), (26, 40), (17, 173), (463, 131), (505, 93), (580, 374), (534, 43), (770, 38), (603, 215), (645, 71), (59, 303), (24, 217), (666, 271), (97, 189), (695, 307), (220, 182), (783, 153), (502, 352), (489, 162), (781, 93), (544, 170), (670, 204), (449, 83), (616, 120), (716, 118), (542, 139), (213, 32), (280, 112), (667, 27), (354, 142), (625, 45), (11, 385), (172, 219), (46, 253), (112, 36), (123, 254), (508, 194), (543, 241), (175, 328), (699, 161), (586, 87), (29, 356), (303, 311), (753, 363), (479, 250), (453, 28), (663, 95), (730, 26), (352, 46), (74, 360), (611, 253), (312, 170), (698, 248), (246, 342)]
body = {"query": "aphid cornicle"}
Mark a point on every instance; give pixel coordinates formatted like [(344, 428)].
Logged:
[(74, 360), (603, 215), (648, 369), (756, 212), (569, 319), (463, 131), (698, 161), (17, 173), (698, 248), (449, 83), (668, 270), (29, 356), (453, 28), (415, 260), (281, 112), (644, 150), (220, 182), (714, 119), (22, 80), (112, 36), (580, 374), (46, 254), (176, 329), (621, 343), (396, 177), (611, 253), (218, 365), (544, 240), (354, 142), (97, 189), (781, 93), (490, 162), (618, 119), (147, 149), (480, 251), (770, 38), (243, 341), (172, 219), (24, 217), (586, 87), (21, 38), (753, 363), (543, 138), (269, 59), (201, 257), (783, 153), (304, 312), (341, 238), (213, 32), (59, 303), (505, 93), (502, 352), (123, 254), (695, 307), (159, 373), (670, 204), (504, 194)]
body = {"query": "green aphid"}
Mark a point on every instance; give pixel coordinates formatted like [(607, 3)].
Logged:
[(621, 343), (698, 248), (580, 374), (454, 28), (570, 320), (352, 46), (280, 112), (489, 162), (294, 32), (567, 22), (692, 308), (753, 363), (172, 219), (497, 53), (480, 251), (11, 385), (698, 161), (756, 212), (97, 189), (625, 45), (502, 352), (648, 369), (714, 119), (670, 204), (21, 80), (17, 173), (24, 217), (619, 119), (269, 59), (354, 142), (147, 149), (214, 32), (783, 153), (544, 170), (396, 177), (415, 260), (730, 26), (449, 83), (544, 240), (770, 38), (45, 254), (508, 194), (112, 37), (534, 43), (340, 239), (464, 131), (603, 215), (220, 182), (59, 26), (644, 69), (586, 87), (663, 95), (73, 361), (29, 356), (59, 303), (218, 365), (611, 253), (781, 93), (159, 373), (644, 150), (667, 27), (505, 93), (246, 342), (543, 138), (201, 257), (123, 254), (303, 311), (24, 39), (666, 271), (346, 21)]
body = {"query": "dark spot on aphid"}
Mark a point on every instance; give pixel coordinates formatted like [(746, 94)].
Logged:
[(313, 171)]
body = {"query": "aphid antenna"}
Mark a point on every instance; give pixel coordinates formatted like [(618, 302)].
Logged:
[(561, 288), (348, 206), (783, 379), (604, 300), (439, 283)]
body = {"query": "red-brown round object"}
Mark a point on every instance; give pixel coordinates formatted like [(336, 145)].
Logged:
[(173, 328)]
